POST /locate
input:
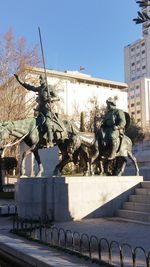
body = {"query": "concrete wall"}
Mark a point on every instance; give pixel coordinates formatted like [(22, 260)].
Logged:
[(67, 198)]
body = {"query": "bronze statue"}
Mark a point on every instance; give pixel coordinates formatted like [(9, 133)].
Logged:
[(46, 97), (102, 150), (113, 124), (27, 130)]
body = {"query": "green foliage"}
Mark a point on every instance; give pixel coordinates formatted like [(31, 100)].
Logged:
[(9, 163), (95, 115), (6, 195), (135, 132), (68, 169)]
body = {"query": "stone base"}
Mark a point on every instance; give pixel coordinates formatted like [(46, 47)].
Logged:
[(73, 198)]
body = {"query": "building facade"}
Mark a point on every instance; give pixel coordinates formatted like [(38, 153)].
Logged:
[(137, 76)]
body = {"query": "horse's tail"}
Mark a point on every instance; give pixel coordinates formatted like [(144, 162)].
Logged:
[(125, 145)]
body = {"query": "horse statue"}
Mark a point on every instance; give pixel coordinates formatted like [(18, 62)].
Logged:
[(79, 147), (95, 152), (76, 145), (33, 133)]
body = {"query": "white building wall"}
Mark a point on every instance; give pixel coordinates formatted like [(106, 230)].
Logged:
[(79, 95), (75, 96), (135, 58), (139, 101), (137, 74)]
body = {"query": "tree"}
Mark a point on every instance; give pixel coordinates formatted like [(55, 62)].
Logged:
[(135, 132), (95, 114), (15, 57), (82, 121), (142, 16)]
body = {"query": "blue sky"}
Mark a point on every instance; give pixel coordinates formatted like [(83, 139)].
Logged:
[(91, 33)]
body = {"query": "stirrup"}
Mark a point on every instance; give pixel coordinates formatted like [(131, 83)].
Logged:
[(112, 156)]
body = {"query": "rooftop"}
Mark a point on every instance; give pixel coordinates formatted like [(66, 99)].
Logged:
[(81, 77)]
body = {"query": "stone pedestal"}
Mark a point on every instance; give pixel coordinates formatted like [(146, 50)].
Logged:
[(67, 198)]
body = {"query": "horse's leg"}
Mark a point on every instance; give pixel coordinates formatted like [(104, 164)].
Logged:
[(120, 166), (94, 157), (23, 159), (101, 166), (65, 160), (85, 156), (38, 160), (22, 162), (133, 158)]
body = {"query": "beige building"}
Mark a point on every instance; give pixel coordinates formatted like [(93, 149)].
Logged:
[(76, 89)]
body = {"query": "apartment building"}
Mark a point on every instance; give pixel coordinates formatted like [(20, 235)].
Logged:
[(137, 76)]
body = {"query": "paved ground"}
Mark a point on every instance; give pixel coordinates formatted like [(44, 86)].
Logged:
[(113, 229)]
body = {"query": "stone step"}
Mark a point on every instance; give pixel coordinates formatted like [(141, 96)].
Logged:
[(142, 191), (137, 209), (145, 184), (134, 215), (121, 219), (140, 198), (143, 207)]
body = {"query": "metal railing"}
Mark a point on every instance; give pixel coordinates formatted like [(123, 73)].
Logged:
[(92, 247)]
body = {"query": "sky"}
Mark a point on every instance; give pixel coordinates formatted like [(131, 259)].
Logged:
[(88, 33)]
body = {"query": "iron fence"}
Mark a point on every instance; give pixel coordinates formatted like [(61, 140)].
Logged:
[(97, 249)]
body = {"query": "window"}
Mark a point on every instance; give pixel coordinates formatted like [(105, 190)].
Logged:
[(132, 105), (143, 52), (138, 103), (138, 95), (138, 111), (143, 67)]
